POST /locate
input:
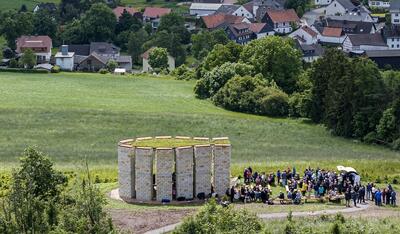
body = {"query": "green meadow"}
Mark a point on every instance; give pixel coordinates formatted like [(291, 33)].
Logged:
[(74, 117)]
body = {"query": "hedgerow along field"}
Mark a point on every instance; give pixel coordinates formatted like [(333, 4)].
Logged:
[(140, 4), (78, 116)]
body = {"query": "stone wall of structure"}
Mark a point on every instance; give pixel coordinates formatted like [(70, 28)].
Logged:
[(196, 169), (184, 172), (221, 173), (165, 166), (202, 162), (144, 173), (126, 172)]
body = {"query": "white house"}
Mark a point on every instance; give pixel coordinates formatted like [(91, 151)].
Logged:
[(282, 20), (65, 59), (331, 35), (242, 11), (322, 2), (379, 4), (146, 66), (261, 30), (202, 9), (305, 35), (395, 11), (346, 10), (359, 43)]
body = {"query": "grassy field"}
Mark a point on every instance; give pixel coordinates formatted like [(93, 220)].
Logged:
[(72, 116), (16, 4)]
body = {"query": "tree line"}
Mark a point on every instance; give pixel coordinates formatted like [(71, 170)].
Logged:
[(350, 96)]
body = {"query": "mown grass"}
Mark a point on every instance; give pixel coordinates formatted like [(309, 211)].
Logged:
[(73, 117)]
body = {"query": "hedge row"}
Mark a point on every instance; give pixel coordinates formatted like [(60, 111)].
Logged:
[(23, 70)]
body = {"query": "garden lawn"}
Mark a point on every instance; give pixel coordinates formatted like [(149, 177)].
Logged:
[(77, 116)]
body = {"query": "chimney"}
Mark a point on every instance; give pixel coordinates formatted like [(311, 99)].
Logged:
[(64, 49)]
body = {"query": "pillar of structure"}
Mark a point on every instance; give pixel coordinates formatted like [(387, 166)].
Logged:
[(144, 173), (203, 159), (165, 166), (184, 172), (221, 169), (126, 171)]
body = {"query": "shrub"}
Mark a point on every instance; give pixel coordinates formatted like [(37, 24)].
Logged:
[(300, 104), (239, 94), (217, 219), (201, 89), (215, 79), (103, 71), (55, 69), (111, 65), (275, 103), (396, 144), (13, 63)]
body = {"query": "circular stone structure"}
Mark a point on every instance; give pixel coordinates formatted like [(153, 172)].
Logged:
[(166, 168)]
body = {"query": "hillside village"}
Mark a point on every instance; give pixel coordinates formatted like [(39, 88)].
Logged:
[(347, 25), (203, 116)]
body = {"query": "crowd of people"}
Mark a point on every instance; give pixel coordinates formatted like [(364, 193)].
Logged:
[(312, 183)]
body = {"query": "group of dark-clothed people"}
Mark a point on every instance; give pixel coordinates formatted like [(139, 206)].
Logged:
[(316, 182)]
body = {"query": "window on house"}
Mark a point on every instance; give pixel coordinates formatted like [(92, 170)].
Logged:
[(392, 46), (397, 14), (334, 5), (397, 45), (392, 39)]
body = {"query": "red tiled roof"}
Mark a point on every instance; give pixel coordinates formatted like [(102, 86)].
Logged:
[(257, 27), (155, 12), (213, 21), (280, 16), (309, 31), (119, 10), (332, 32), (34, 42)]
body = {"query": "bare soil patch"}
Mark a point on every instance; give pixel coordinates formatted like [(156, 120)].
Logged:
[(143, 221)]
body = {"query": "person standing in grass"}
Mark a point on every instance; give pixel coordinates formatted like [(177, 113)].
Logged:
[(393, 198), (378, 197), (347, 197), (373, 191), (354, 197), (278, 175), (369, 188)]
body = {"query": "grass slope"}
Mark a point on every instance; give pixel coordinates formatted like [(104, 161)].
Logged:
[(16, 4), (73, 116)]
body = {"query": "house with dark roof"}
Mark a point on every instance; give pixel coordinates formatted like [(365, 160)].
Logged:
[(359, 43), (282, 21), (239, 33), (96, 55), (311, 52), (346, 10), (208, 1), (49, 6), (395, 12), (385, 58), (236, 10), (261, 30), (391, 35), (305, 35), (222, 20), (202, 9), (40, 45)]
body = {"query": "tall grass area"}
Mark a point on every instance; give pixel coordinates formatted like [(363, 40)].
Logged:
[(73, 116)]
